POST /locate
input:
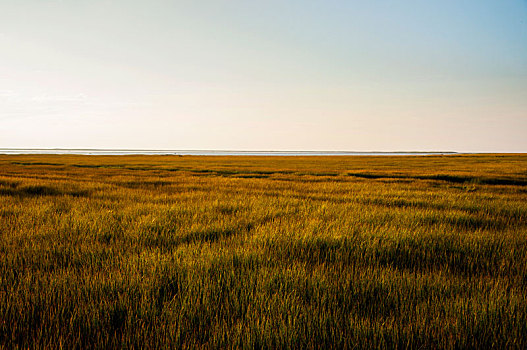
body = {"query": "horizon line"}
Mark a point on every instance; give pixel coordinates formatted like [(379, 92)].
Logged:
[(222, 150)]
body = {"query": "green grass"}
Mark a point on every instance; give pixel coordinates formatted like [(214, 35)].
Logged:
[(263, 252)]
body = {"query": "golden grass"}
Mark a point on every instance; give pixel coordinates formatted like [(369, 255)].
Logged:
[(303, 252)]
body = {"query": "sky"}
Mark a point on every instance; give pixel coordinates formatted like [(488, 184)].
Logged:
[(378, 75)]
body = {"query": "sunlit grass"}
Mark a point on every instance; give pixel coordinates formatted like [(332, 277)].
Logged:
[(304, 252)]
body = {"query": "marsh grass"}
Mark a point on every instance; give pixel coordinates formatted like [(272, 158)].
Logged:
[(260, 252)]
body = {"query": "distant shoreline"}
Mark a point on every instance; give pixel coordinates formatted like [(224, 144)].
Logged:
[(84, 151)]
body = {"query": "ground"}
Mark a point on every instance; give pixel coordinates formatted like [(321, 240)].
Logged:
[(304, 252)]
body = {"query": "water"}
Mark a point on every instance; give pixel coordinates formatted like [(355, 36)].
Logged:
[(207, 152)]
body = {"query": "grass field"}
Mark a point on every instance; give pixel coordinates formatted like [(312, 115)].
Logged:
[(263, 252)]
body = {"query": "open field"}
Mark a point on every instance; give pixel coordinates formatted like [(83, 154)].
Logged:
[(288, 252)]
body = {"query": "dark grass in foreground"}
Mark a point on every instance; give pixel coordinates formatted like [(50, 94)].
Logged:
[(303, 252)]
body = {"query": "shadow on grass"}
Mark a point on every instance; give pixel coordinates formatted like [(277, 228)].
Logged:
[(458, 179), (35, 163), (168, 238), (40, 191), (98, 166), (244, 174), (427, 254), (146, 184)]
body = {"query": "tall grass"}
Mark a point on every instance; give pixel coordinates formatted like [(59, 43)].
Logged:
[(259, 252)]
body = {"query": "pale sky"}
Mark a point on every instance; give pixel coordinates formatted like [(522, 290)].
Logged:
[(380, 75)]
